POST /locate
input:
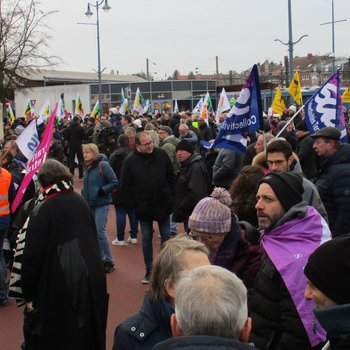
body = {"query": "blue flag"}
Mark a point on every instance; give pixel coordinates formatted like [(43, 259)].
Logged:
[(245, 116), (325, 107)]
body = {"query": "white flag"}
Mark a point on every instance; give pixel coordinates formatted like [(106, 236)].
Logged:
[(197, 109), (223, 105), (44, 113), (176, 107), (28, 141)]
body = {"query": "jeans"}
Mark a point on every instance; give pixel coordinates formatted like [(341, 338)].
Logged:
[(147, 237), (120, 213), (173, 226), (100, 214)]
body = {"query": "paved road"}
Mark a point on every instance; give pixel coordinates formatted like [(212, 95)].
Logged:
[(124, 286)]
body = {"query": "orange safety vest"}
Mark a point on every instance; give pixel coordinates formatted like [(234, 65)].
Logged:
[(5, 182)]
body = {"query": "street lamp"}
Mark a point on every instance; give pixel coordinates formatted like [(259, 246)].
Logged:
[(290, 42), (88, 14)]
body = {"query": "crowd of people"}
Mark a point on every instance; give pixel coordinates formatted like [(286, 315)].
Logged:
[(249, 242)]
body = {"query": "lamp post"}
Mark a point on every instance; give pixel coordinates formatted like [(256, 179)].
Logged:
[(290, 42), (333, 36), (88, 14)]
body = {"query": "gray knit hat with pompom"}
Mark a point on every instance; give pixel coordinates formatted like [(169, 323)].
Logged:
[(212, 214)]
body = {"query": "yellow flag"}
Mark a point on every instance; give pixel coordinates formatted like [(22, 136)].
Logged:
[(278, 105), (295, 89), (346, 96)]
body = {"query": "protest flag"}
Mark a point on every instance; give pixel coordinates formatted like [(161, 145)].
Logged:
[(10, 114), (28, 141), (39, 157), (198, 107), (325, 107), (245, 116), (78, 110), (278, 105), (223, 105), (346, 96), (96, 110), (176, 107), (139, 102), (295, 89)]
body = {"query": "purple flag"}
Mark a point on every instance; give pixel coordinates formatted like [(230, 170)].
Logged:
[(289, 247), (39, 157), (325, 107)]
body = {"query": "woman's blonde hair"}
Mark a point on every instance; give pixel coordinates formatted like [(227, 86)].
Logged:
[(91, 148)]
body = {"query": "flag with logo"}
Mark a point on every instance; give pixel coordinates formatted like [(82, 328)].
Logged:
[(78, 110), (325, 108), (346, 96), (278, 105), (124, 106), (223, 105), (96, 110), (295, 89), (39, 157), (27, 109), (245, 116), (139, 102), (28, 141), (205, 110), (60, 114), (198, 107), (44, 113), (10, 114)]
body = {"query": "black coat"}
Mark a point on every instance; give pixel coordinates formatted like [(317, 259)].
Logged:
[(333, 185), (63, 274), (276, 322), (116, 161), (144, 329), (191, 186), (74, 135), (307, 156), (202, 342), (148, 181)]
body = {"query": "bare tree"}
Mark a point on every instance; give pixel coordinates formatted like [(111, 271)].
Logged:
[(24, 37)]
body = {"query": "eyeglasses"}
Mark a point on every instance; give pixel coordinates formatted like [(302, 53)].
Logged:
[(201, 237), (146, 144), (276, 162)]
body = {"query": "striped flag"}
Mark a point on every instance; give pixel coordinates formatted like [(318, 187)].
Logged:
[(96, 110), (78, 107)]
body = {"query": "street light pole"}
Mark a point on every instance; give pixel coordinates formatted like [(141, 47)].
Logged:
[(290, 43), (88, 14)]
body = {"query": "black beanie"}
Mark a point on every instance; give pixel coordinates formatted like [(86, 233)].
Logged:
[(301, 126), (288, 187), (185, 146), (328, 269)]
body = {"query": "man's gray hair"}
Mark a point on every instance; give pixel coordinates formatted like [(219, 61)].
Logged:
[(210, 300)]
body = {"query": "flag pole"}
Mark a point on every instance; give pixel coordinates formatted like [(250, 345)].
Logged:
[(289, 121)]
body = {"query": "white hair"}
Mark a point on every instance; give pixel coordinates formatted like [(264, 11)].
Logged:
[(210, 300)]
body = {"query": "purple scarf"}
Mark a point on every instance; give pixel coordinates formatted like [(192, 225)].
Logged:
[(289, 247)]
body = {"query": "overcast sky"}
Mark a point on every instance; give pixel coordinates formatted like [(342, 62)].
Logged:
[(185, 34)]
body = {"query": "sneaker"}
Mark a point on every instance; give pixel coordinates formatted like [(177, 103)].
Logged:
[(109, 266), (146, 279), (132, 240), (120, 243)]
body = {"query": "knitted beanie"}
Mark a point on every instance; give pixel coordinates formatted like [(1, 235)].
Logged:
[(288, 187), (185, 146), (212, 214), (328, 269)]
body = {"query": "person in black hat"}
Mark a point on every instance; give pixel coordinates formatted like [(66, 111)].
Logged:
[(333, 181), (328, 285), (305, 152), (290, 231), (191, 183)]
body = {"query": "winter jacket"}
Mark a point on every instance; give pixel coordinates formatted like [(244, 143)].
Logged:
[(63, 274), (116, 161), (307, 156), (169, 146), (276, 320), (99, 182), (202, 342), (148, 182), (74, 135), (333, 184), (336, 322), (226, 168), (144, 329), (191, 187)]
